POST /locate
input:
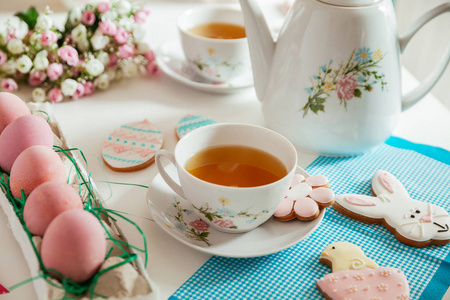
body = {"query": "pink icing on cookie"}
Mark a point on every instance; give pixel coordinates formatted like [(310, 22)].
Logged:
[(297, 179), (386, 182), (305, 207), (362, 284), (322, 195), (285, 208), (317, 180), (359, 201)]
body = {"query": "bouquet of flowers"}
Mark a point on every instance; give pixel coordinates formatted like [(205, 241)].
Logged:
[(98, 44)]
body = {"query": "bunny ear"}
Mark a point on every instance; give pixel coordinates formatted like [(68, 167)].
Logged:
[(384, 183), (365, 206)]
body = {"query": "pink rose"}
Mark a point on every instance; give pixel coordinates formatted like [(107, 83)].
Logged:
[(54, 71), (346, 87), (150, 55), (48, 37), (141, 15), (113, 60), (152, 69), (88, 88), (3, 57), (79, 92), (199, 225), (224, 223), (103, 7), (88, 17), (36, 77), (55, 95), (108, 27), (8, 85), (69, 55), (126, 51), (121, 36)]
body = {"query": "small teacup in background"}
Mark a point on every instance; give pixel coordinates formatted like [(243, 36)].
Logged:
[(230, 208), (214, 42)]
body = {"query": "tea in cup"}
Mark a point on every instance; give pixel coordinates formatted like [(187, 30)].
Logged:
[(234, 176), (214, 42)]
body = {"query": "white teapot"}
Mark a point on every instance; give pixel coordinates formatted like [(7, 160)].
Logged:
[(332, 82)]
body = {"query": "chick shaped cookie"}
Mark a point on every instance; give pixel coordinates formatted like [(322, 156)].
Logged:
[(355, 276), (305, 198)]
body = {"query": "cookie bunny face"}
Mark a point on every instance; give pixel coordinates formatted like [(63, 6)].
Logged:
[(414, 220)]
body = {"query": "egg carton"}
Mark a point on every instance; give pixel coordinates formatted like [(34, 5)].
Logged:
[(129, 281)]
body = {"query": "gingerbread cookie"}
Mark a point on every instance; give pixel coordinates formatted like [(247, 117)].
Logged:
[(305, 198), (355, 276), (414, 223), (191, 122), (132, 147)]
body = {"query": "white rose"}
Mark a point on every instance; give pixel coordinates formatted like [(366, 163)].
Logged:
[(79, 33), (123, 7), (9, 67), (22, 30), (99, 41), (38, 95), (110, 15), (44, 22), (102, 82), (126, 23), (142, 47), (75, 16), (128, 68), (40, 61), (103, 57), (15, 46), (69, 87), (24, 64), (34, 38), (83, 45), (95, 67), (138, 33)]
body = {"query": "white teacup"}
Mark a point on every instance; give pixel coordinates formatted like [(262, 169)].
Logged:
[(225, 208), (214, 59)]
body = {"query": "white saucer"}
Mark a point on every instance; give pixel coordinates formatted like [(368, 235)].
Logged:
[(272, 236), (171, 61)]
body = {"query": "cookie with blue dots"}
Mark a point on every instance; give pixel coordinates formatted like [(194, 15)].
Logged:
[(191, 122), (132, 147)]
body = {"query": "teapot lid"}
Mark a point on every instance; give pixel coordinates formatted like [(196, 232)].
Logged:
[(350, 3)]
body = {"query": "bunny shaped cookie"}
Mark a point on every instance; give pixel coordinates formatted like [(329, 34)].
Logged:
[(413, 222)]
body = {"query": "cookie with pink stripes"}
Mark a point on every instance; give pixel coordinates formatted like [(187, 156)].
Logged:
[(305, 198), (132, 147)]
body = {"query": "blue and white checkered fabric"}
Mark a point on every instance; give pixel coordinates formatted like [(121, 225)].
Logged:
[(291, 274)]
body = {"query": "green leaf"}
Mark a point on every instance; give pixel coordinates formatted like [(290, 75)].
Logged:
[(30, 17), (328, 71), (357, 93), (314, 108), (320, 100), (367, 87)]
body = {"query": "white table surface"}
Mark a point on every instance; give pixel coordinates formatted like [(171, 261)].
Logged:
[(161, 100)]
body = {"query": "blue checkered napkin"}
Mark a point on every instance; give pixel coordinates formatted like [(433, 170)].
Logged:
[(291, 274)]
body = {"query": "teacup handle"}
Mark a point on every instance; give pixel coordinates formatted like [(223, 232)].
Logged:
[(170, 182), (416, 94)]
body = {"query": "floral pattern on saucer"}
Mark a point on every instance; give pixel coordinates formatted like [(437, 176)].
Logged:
[(213, 66)]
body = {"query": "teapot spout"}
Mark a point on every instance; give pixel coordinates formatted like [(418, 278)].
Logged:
[(260, 43)]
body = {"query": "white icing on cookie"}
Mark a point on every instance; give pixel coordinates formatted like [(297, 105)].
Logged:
[(132, 145), (412, 219)]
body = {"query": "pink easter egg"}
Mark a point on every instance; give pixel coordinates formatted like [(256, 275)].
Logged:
[(46, 202), (74, 245), (34, 166), (22, 133), (11, 108)]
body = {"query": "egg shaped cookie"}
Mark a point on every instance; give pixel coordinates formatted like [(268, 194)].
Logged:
[(191, 122), (74, 245), (132, 147), (21, 134), (46, 202), (34, 166), (11, 108)]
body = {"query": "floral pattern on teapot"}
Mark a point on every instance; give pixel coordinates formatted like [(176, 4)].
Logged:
[(348, 80)]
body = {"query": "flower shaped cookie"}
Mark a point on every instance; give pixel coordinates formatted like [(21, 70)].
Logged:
[(305, 198)]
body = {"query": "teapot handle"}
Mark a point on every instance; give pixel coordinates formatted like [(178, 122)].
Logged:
[(415, 95)]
